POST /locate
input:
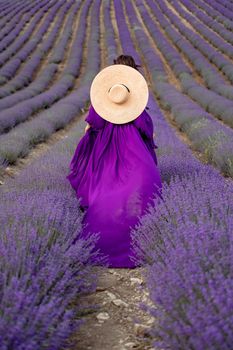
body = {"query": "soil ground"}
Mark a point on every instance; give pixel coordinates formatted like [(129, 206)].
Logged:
[(118, 323)]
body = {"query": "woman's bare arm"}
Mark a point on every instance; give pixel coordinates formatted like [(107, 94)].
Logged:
[(87, 127)]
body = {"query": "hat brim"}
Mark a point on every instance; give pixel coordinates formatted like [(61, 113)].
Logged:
[(132, 107)]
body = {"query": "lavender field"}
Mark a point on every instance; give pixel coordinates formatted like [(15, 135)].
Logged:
[(50, 51)]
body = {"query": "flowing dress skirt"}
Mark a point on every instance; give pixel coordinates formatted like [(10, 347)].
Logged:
[(115, 175)]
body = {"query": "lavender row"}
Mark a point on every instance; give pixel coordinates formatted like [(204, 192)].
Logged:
[(4, 7), (196, 198), (15, 20), (210, 75), (36, 87), (226, 4), (15, 31), (208, 34), (126, 42), (10, 11), (217, 58), (212, 54), (18, 142), (157, 68), (43, 273), (8, 7), (9, 69), (24, 77), (58, 52), (216, 15), (14, 23), (46, 272), (165, 132), (207, 135), (221, 9), (185, 244), (110, 44), (21, 111), (205, 18), (219, 106)]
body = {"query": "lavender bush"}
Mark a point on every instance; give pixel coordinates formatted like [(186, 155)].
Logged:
[(26, 74), (42, 273), (18, 141), (185, 240), (202, 45), (43, 268), (186, 244), (179, 104), (13, 63), (206, 19)]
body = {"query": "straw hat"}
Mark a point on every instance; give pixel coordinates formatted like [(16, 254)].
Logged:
[(119, 93)]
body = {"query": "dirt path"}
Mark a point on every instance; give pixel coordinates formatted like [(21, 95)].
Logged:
[(118, 323)]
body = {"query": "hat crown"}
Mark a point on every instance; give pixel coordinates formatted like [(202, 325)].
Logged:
[(118, 93)]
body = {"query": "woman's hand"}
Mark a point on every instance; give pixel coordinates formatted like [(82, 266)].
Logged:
[(87, 127), (153, 135)]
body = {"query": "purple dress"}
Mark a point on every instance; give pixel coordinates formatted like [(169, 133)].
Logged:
[(114, 173)]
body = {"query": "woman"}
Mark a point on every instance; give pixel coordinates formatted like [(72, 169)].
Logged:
[(115, 175)]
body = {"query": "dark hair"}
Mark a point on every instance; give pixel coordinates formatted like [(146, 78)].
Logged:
[(127, 60)]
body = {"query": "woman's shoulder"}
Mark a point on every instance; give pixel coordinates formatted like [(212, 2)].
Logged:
[(94, 119), (92, 110), (144, 116)]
